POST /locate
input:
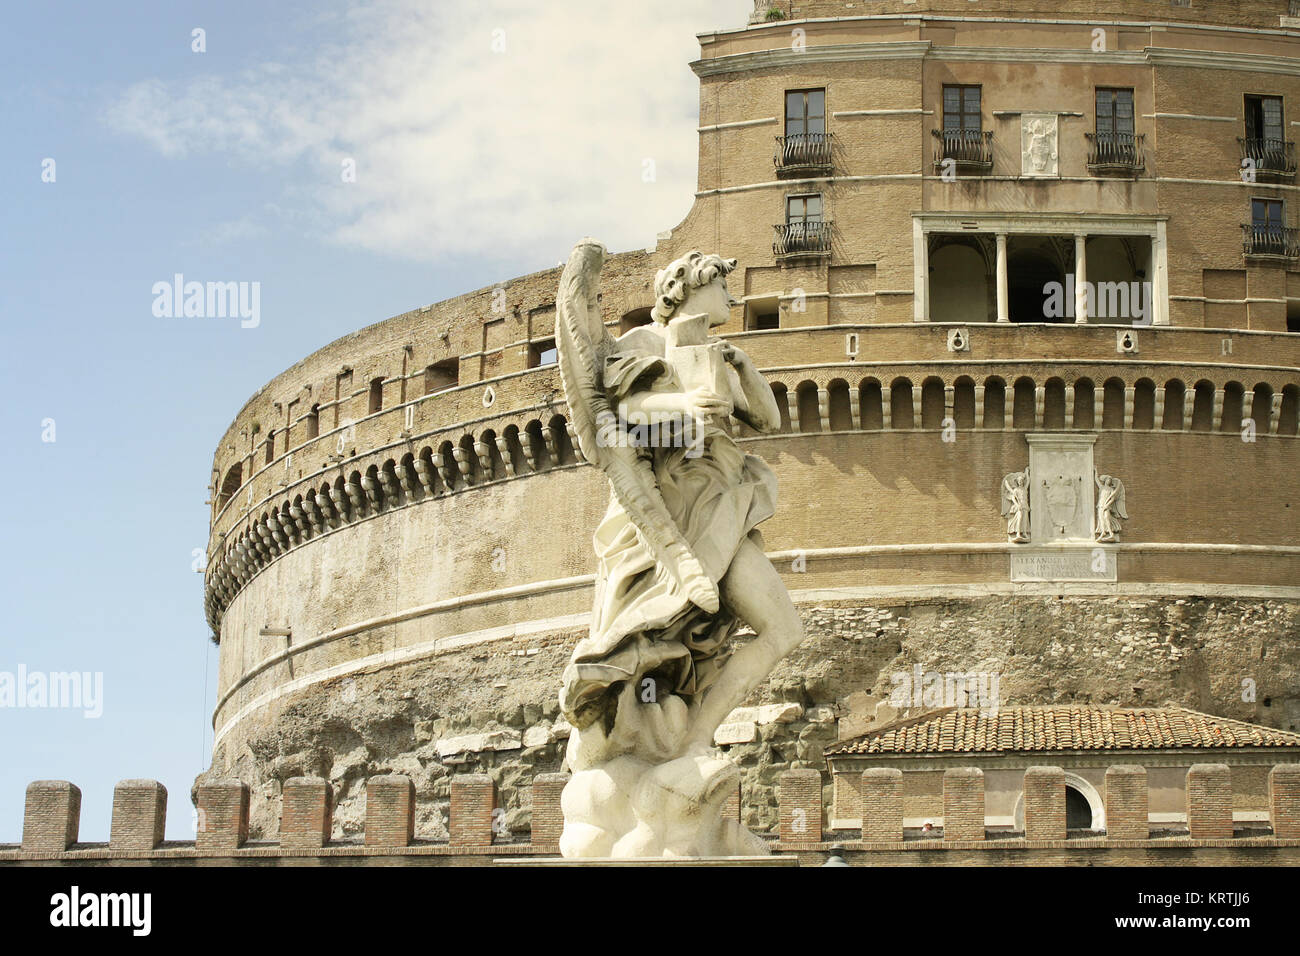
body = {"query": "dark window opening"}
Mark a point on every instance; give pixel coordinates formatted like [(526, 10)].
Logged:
[(376, 394), (803, 209), (313, 422), (542, 353), (1078, 812), (1264, 118), (805, 112), (961, 109), (1114, 112), (440, 375)]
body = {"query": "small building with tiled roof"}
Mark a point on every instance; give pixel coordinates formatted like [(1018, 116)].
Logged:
[(1083, 740)]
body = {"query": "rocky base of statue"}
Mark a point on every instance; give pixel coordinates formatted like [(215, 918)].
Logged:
[(641, 791)]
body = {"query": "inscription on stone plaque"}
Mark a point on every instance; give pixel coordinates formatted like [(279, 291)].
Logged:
[(1061, 542), (1063, 564)]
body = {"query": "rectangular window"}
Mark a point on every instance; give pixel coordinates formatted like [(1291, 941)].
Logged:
[(805, 112), (961, 109), (1264, 118), (803, 209), (542, 353), (1266, 216), (1114, 111), (440, 375)]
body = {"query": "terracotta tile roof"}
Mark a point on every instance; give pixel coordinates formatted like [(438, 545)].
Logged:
[(976, 730)]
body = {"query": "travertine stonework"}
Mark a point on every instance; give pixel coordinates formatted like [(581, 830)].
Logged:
[(400, 552), (438, 718)]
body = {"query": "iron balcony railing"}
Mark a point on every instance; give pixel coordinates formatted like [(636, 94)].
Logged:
[(802, 238), (801, 153), (1271, 159), (1119, 152), (1293, 8), (967, 148), (1269, 240)]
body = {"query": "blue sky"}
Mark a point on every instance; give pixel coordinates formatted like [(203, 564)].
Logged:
[(474, 165)]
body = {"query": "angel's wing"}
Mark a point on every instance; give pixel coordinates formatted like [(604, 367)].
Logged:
[(1119, 499), (1006, 496), (582, 344)]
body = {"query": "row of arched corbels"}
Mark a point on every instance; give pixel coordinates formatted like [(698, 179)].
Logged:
[(894, 403), (314, 506)]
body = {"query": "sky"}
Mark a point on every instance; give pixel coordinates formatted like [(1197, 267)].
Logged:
[(355, 160)]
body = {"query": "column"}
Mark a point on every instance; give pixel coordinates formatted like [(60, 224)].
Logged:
[(139, 815), (1003, 313), (1080, 279), (223, 816), (920, 273), (473, 800), (1160, 277), (1126, 803), (799, 798), (1044, 791), (547, 816), (306, 813), (963, 804), (1284, 801), (51, 816), (882, 805), (390, 810), (1209, 802)]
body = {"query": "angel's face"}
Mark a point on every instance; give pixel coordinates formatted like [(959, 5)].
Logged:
[(712, 299)]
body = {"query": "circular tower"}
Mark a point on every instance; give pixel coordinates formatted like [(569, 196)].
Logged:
[(1021, 276)]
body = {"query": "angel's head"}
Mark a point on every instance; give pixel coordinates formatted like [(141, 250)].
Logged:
[(694, 284)]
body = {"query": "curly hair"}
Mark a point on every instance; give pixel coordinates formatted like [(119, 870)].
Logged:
[(675, 282)]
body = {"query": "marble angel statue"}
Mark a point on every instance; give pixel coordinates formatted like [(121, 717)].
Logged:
[(680, 564), (1015, 505), (1110, 508)]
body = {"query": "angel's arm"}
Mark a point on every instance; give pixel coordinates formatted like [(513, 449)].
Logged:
[(755, 403)]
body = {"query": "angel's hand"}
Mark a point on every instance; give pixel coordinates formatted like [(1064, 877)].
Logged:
[(704, 402), (734, 356)]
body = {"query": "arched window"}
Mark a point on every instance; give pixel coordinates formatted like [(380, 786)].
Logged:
[(1022, 411), (270, 446), (1054, 404), (1144, 404), (230, 484), (900, 404), (963, 402), (841, 411), (313, 422), (932, 403), (1174, 392), (1085, 404), (869, 402), (809, 413), (995, 403)]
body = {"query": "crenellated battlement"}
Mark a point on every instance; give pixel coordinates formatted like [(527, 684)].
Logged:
[(476, 825)]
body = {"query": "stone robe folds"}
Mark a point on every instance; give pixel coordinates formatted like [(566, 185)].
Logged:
[(642, 623)]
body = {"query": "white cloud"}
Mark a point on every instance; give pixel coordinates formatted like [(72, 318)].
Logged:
[(460, 149)]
